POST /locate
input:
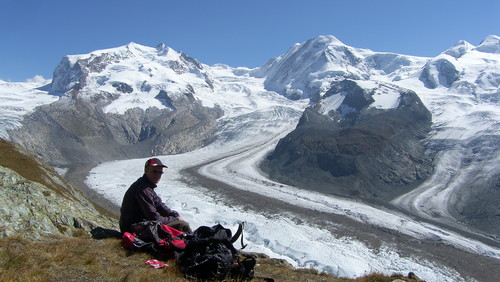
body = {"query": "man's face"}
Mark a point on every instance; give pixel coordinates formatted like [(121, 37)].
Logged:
[(154, 173)]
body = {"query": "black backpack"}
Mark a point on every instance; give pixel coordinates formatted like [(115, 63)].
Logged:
[(210, 255)]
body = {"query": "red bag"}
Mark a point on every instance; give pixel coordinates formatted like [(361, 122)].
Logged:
[(154, 236), (176, 242), (128, 240)]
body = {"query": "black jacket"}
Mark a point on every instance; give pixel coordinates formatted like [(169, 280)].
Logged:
[(141, 203)]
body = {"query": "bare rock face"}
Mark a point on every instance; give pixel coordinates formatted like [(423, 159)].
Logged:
[(440, 71), (37, 202), (356, 150), (78, 132)]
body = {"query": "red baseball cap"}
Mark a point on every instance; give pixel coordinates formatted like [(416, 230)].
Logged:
[(154, 162)]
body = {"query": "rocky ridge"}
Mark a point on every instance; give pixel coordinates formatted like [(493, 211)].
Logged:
[(355, 149), (37, 202)]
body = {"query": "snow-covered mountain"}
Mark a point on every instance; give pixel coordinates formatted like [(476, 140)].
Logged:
[(307, 70), (136, 101), (466, 69), (461, 89), (132, 75)]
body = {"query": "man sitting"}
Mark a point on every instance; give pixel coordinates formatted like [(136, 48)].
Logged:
[(141, 203)]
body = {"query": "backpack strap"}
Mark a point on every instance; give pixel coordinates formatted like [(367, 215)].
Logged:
[(238, 233)]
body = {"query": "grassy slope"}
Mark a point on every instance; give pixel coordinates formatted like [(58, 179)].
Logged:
[(81, 258)]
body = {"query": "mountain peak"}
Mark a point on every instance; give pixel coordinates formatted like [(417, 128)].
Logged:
[(326, 40), (308, 69), (161, 46), (132, 45), (491, 44), (133, 48), (129, 70), (459, 49)]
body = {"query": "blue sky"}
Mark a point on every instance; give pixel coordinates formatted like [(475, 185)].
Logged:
[(35, 34)]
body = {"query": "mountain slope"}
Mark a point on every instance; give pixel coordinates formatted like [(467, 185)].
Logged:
[(37, 201), (348, 145), (465, 133)]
